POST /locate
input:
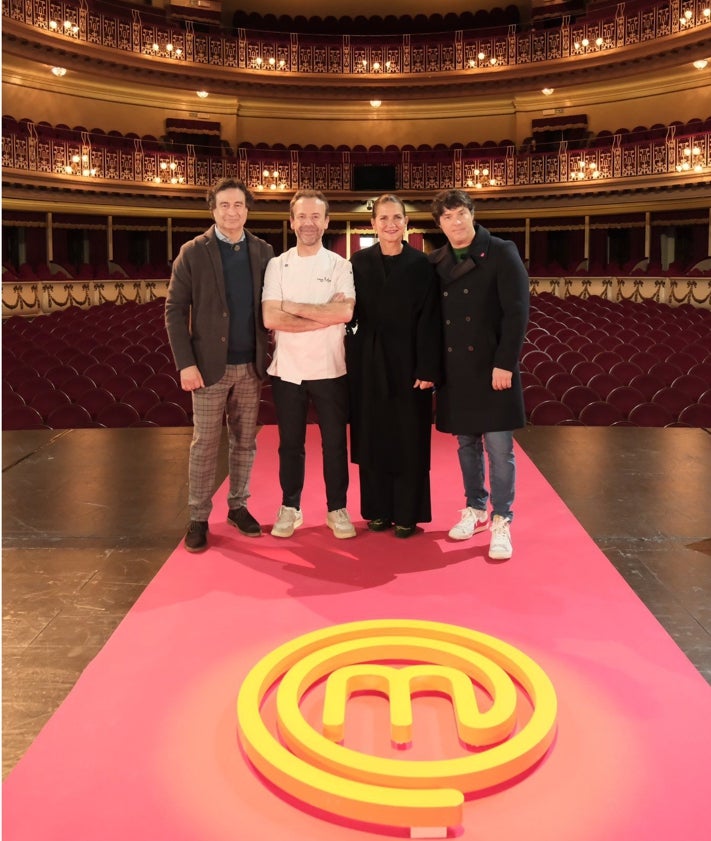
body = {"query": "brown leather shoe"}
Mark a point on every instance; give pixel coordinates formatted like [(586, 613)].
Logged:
[(196, 536)]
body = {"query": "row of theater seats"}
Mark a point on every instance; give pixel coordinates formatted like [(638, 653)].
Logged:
[(108, 366), (589, 362), (597, 363)]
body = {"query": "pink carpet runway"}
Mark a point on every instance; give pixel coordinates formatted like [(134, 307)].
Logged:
[(146, 745)]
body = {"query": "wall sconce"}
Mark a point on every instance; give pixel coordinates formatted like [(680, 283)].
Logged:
[(172, 51), (271, 180), (692, 160), (586, 170), (480, 179), (168, 174), (688, 19), (81, 165), (66, 28)]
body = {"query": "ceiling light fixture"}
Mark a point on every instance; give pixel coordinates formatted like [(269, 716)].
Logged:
[(59, 71), (547, 91), (376, 103)]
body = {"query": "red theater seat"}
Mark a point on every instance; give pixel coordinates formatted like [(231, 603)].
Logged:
[(544, 370), (665, 373), (671, 399), (603, 384), (142, 399), (70, 417), (47, 401), (699, 414), (551, 413), (535, 394), (607, 358), (559, 383), (100, 372), (651, 414), (624, 372), (600, 413), (643, 359), (117, 415), (168, 414), (647, 384), (532, 358), (162, 383), (60, 374), (22, 417), (585, 371), (625, 398), (77, 386), (118, 385), (95, 400), (571, 358), (691, 385), (578, 397)]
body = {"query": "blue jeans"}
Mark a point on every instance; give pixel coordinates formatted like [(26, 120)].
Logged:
[(502, 470)]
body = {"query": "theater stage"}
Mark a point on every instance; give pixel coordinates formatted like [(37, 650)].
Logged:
[(146, 742)]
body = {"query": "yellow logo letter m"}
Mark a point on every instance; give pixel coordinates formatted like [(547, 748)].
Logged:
[(399, 685)]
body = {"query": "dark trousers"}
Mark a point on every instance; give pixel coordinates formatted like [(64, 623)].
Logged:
[(401, 497), (330, 401)]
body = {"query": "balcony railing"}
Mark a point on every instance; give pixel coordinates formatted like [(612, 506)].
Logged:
[(76, 157), (141, 32), (32, 298)]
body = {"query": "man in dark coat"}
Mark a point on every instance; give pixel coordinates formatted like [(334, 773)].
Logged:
[(485, 299), (213, 315), (393, 354)]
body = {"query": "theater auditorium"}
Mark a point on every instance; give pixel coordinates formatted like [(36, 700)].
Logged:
[(145, 689)]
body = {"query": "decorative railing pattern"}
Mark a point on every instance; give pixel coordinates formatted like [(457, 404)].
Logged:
[(34, 149), (142, 33), (31, 298)]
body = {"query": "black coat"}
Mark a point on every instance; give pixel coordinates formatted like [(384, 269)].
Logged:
[(485, 301), (398, 340)]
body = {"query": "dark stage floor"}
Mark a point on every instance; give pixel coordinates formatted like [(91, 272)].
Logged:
[(90, 515)]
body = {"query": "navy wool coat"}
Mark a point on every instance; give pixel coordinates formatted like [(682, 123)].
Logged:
[(196, 315), (485, 301)]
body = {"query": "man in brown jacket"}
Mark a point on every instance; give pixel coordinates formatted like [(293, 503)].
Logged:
[(219, 342)]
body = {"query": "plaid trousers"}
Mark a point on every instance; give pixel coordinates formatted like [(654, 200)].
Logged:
[(236, 395)]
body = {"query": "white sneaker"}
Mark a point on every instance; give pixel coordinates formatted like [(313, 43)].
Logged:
[(473, 521), (500, 548), (340, 523), (287, 520)]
